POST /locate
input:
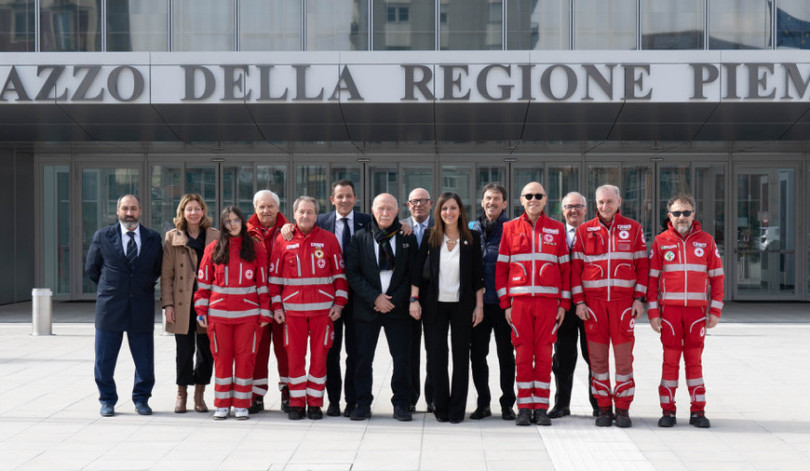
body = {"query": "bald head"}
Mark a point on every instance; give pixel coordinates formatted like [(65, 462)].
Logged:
[(533, 199), (384, 209)]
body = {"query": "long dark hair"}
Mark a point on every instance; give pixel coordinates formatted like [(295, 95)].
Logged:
[(246, 253), (438, 231)]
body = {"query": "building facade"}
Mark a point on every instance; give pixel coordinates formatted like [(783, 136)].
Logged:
[(225, 97)]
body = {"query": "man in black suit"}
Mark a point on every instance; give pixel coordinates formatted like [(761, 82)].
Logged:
[(343, 222), (125, 260), (379, 266)]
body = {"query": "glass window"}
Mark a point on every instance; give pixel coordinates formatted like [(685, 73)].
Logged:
[(273, 178), (270, 25), (202, 179), (793, 24), (56, 243), (310, 180), (166, 186), (605, 24), (673, 179), (672, 24), (471, 24), (543, 24), (522, 177), (70, 26), (203, 25), (562, 179), (637, 197), (17, 25), (739, 24), (459, 180), (137, 25), (710, 196), (337, 26), (237, 188), (404, 25)]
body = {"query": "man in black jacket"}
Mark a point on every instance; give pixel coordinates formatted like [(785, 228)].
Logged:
[(378, 268)]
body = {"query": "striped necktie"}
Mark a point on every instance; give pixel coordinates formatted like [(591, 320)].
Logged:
[(132, 248)]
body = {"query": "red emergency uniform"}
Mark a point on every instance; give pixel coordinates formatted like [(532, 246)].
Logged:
[(686, 280), (532, 276), (609, 268), (306, 279), (234, 297), (273, 331)]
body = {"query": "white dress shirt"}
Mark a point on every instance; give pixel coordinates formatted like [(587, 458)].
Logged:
[(570, 233), (385, 275), (125, 237), (339, 227), (449, 273)]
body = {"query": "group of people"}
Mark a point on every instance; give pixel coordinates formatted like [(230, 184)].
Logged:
[(323, 281)]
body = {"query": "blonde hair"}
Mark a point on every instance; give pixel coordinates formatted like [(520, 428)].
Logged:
[(180, 220)]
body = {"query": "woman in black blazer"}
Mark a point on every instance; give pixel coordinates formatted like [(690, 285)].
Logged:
[(451, 280)]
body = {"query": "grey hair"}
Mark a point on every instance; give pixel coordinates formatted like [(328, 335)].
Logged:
[(262, 193), (305, 199), (121, 198), (575, 194), (684, 197), (609, 187)]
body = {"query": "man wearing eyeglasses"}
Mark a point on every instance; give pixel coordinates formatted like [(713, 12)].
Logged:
[(686, 280), (419, 204), (532, 280), (609, 269), (574, 209)]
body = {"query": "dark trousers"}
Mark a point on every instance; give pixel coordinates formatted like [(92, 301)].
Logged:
[(398, 335), (334, 380), (565, 359), (416, 362), (188, 346), (494, 320), (449, 398), (142, 348)]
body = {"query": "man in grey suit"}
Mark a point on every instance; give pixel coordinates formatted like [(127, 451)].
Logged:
[(419, 204), (125, 260), (379, 266)]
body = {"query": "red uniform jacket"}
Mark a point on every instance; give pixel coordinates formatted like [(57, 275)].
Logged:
[(685, 271), (533, 261), (609, 263), (265, 237), (307, 274)]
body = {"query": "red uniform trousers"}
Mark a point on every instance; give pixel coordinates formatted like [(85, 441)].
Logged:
[(308, 389), (233, 344), (611, 322), (274, 332), (533, 335), (683, 329)]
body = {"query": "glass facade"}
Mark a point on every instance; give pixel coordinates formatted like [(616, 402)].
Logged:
[(269, 25), (337, 25), (404, 25), (471, 24), (793, 24), (739, 24), (56, 243), (203, 25), (605, 24), (137, 25), (67, 26), (17, 25), (543, 24), (672, 25)]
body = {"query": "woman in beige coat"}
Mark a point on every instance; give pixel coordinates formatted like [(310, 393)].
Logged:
[(182, 252)]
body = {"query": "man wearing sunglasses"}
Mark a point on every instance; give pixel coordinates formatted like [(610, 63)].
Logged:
[(609, 269), (686, 281)]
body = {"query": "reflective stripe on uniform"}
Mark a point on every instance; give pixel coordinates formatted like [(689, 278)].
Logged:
[(627, 392), (525, 400), (717, 304), (298, 393), (323, 280), (243, 381), (314, 392), (716, 272), (655, 273), (623, 378), (233, 314), (668, 383), (317, 379), (589, 284), (684, 266), (201, 302), (223, 394), (683, 296), (640, 254), (297, 380), (640, 287), (226, 290), (534, 290), (201, 285), (653, 305), (501, 292), (528, 257), (577, 290), (608, 256), (525, 385), (243, 395), (223, 381), (307, 306), (694, 382), (564, 259)]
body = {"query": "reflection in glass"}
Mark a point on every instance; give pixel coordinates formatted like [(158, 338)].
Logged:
[(203, 25), (137, 25), (237, 187), (739, 24), (562, 179), (605, 24), (459, 179), (101, 188), (793, 24), (522, 177), (471, 24), (543, 24), (672, 25), (56, 217), (337, 25), (637, 197), (310, 180), (70, 25), (710, 196), (598, 175), (273, 178), (17, 25), (166, 187), (202, 179), (404, 25), (673, 179), (270, 25)]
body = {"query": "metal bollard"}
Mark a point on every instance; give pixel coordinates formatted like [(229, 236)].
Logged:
[(41, 311)]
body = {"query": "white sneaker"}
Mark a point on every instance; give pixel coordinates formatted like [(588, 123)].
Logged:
[(240, 413), (221, 413)]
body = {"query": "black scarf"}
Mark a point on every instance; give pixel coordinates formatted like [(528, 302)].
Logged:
[(383, 237)]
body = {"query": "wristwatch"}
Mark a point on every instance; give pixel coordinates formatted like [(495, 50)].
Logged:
[(414, 299), (641, 298)]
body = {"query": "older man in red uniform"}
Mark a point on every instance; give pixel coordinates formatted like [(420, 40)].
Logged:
[(686, 281)]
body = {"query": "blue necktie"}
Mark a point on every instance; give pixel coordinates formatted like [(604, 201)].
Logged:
[(418, 229), (132, 249), (346, 237)]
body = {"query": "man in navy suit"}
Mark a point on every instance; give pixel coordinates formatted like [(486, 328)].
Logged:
[(343, 222), (124, 259)]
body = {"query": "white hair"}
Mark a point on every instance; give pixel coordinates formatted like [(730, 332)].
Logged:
[(575, 194), (614, 188), (262, 193)]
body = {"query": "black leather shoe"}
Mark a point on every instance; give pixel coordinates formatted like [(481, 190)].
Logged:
[(143, 408), (557, 412), (285, 399), (315, 413), (411, 408), (524, 417), (541, 418), (107, 409), (257, 406), (698, 419), (349, 409), (430, 408), (402, 414), (623, 418), (333, 410), (605, 418), (668, 419), (507, 414), (441, 418), (481, 413), (296, 413), (361, 413)]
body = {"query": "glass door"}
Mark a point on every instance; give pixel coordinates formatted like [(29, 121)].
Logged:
[(765, 218)]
